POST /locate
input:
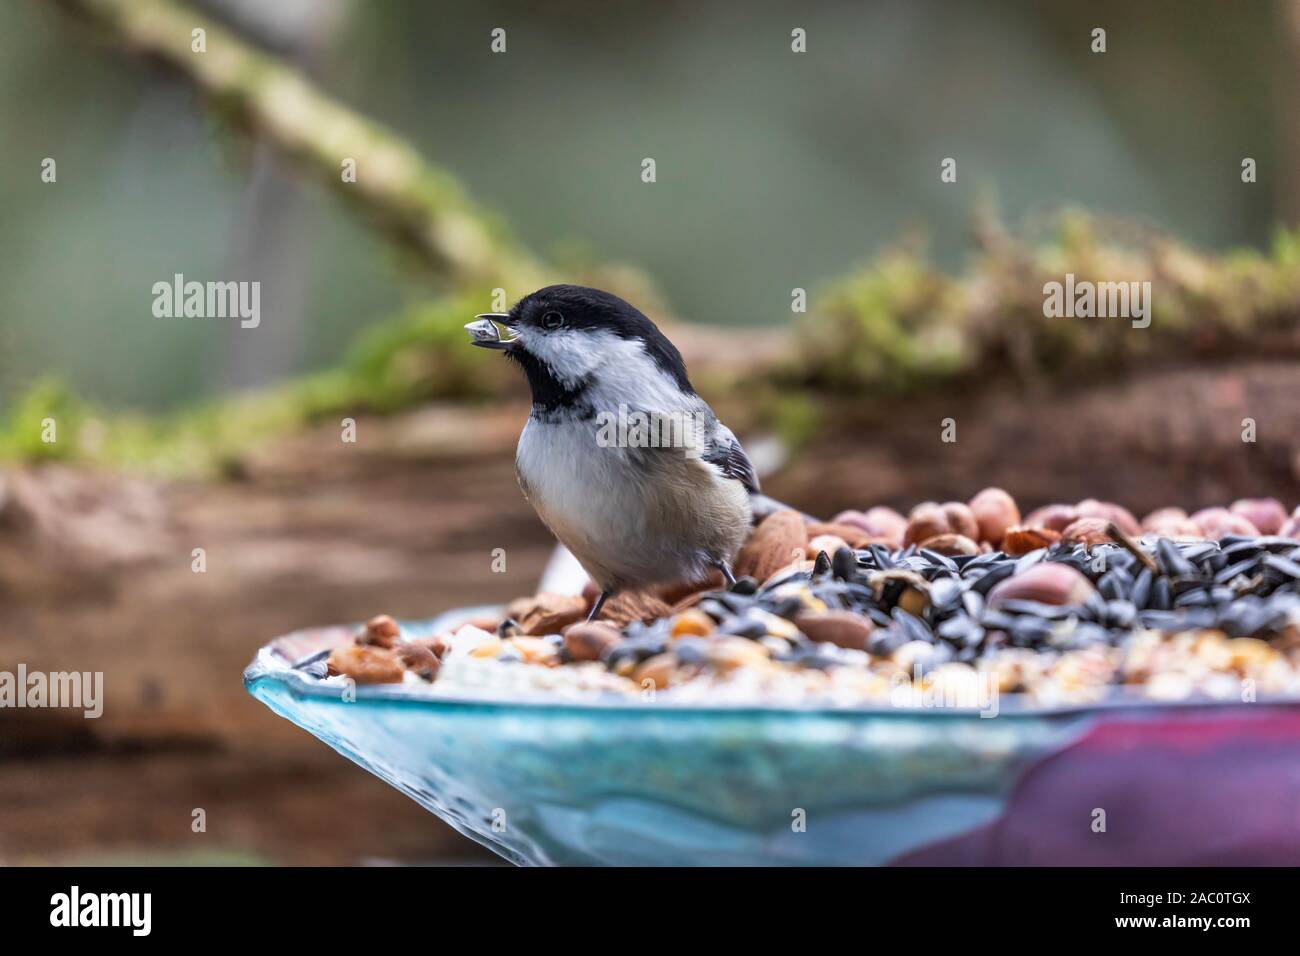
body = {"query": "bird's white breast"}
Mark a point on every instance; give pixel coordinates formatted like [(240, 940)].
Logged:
[(628, 516), (576, 486)]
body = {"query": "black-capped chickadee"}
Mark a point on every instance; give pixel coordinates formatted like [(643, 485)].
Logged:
[(628, 467)]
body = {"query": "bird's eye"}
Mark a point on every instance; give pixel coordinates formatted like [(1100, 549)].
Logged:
[(552, 320)]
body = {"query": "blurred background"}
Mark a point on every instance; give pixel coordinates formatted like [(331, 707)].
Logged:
[(477, 171)]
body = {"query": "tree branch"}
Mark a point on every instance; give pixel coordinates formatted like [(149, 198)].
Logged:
[(424, 207)]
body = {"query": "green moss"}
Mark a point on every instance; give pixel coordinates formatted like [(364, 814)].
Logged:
[(46, 424), (422, 354), (795, 418), (899, 325), (886, 326)]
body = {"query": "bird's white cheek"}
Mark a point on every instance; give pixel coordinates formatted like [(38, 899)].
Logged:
[(567, 354)]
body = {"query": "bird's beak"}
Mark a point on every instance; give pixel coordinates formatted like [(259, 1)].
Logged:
[(484, 331)]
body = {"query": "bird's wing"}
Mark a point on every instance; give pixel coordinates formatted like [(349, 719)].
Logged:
[(723, 449), (716, 443)]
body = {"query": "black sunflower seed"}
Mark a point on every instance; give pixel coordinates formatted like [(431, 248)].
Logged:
[(844, 564), (1160, 598), (945, 593), (992, 577), (1283, 566), (739, 626), (821, 564), (1230, 572), (880, 557), (1141, 592), (1171, 560), (913, 626), (1115, 585), (934, 557)]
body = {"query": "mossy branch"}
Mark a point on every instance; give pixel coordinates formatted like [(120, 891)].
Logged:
[(422, 206), (903, 326)]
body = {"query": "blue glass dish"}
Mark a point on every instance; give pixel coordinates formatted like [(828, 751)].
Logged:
[(549, 782)]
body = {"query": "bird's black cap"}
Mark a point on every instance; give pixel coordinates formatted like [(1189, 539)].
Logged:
[(594, 309)]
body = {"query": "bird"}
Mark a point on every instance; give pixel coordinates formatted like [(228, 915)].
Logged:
[(622, 460)]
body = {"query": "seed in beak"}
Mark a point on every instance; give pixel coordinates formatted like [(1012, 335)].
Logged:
[(485, 332)]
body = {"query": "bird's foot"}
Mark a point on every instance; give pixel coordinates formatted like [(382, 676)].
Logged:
[(600, 602)]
